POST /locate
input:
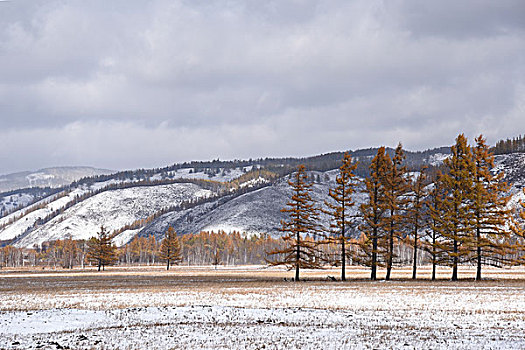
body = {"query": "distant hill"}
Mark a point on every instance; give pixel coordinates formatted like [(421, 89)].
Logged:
[(48, 177)]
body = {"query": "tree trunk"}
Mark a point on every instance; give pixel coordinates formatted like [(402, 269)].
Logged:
[(390, 247), (414, 265), (455, 262), (343, 254), (298, 258), (373, 274), (390, 254), (168, 265), (478, 237), (434, 256)]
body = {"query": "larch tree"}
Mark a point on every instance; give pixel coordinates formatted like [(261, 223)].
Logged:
[(490, 241), (300, 251), (339, 207), (100, 249), (456, 207), (433, 242), (372, 212), (170, 250), (416, 214), (396, 190)]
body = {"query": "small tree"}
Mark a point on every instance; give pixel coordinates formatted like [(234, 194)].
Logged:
[(170, 248), (299, 251), (100, 250)]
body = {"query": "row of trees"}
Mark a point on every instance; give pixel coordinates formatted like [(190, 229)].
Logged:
[(203, 248), (514, 145), (457, 215)]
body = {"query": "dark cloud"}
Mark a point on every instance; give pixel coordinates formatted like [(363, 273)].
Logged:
[(125, 84), (460, 20)]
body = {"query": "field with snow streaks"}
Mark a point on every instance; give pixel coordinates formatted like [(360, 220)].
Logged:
[(238, 308)]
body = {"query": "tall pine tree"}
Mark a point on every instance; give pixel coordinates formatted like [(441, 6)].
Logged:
[(299, 251), (339, 207), (456, 206), (373, 212), (490, 241), (433, 243), (396, 189)]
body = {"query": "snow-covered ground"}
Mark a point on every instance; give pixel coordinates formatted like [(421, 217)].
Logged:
[(437, 158), (52, 203), (11, 202), (223, 175), (112, 209), (254, 212), (242, 312)]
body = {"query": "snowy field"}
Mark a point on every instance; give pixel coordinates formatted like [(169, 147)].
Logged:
[(254, 308)]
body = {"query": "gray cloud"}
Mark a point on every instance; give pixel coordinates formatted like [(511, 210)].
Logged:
[(136, 84)]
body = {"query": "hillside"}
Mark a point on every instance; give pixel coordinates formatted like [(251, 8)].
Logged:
[(259, 211), (112, 209), (239, 197), (254, 212)]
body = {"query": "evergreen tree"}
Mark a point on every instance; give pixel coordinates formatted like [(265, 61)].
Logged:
[(373, 211), (490, 242), (100, 249), (396, 189), (170, 248), (456, 206), (299, 251), (416, 214), (339, 208)]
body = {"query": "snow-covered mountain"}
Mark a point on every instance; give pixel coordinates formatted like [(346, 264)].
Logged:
[(216, 196), (111, 209), (258, 211), (49, 177)]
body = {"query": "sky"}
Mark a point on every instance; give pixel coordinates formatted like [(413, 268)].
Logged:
[(127, 84)]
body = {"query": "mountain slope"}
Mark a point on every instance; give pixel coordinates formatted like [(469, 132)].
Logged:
[(113, 210), (255, 212), (259, 211), (118, 200)]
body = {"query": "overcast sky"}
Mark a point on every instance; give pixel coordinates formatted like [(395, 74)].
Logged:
[(126, 84)]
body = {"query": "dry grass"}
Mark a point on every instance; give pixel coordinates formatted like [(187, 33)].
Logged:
[(256, 306), (30, 289)]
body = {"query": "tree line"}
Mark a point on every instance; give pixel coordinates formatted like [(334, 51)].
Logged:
[(203, 248), (457, 214), (513, 145)]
